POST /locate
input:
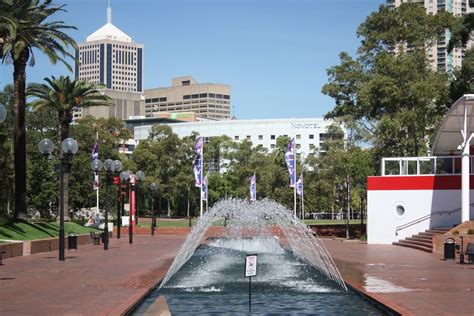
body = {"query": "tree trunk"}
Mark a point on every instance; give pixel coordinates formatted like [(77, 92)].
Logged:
[(169, 208), (19, 80)]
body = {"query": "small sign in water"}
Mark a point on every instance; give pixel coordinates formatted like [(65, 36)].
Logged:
[(250, 271), (250, 265)]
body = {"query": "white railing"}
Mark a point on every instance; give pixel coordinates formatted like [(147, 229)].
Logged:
[(407, 166)]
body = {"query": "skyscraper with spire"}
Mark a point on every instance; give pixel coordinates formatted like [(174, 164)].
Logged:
[(110, 57)]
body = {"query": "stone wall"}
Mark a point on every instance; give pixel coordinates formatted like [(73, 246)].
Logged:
[(456, 232)]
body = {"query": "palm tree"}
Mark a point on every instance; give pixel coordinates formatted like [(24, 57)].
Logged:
[(23, 27), (63, 95)]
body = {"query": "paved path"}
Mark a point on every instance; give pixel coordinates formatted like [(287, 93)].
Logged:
[(90, 282), (410, 281)]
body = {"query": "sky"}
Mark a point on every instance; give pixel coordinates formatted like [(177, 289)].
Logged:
[(273, 53)]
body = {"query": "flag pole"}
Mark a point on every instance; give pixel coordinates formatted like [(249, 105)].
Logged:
[(98, 186), (294, 175), (302, 201), (202, 172)]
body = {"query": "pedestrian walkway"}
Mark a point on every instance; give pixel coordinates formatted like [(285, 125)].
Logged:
[(409, 281), (91, 281)]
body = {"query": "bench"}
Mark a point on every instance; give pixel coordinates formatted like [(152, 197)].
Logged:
[(95, 238), (470, 252)]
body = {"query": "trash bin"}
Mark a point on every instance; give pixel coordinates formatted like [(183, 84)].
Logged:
[(72, 241), (449, 248)]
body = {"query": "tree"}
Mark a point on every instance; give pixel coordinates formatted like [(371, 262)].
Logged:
[(389, 89), (25, 30), (6, 152), (63, 95)]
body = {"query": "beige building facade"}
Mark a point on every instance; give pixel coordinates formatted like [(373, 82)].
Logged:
[(208, 100), (438, 55)]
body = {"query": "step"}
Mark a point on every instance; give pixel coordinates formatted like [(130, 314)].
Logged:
[(428, 242), (425, 249), (437, 231), (415, 242), (424, 237), (427, 234)]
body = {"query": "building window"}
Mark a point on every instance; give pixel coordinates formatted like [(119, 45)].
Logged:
[(272, 146), (272, 136), (311, 136), (195, 96), (249, 137), (236, 137), (186, 97), (186, 82), (260, 137), (203, 95), (212, 95), (226, 97), (163, 99), (298, 136)]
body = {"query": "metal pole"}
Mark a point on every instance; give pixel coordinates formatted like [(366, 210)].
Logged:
[(294, 175), (119, 215), (153, 219), (136, 204), (62, 167), (106, 212), (130, 202), (250, 293), (348, 207)]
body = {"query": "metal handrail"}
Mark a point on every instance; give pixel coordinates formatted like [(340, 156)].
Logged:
[(424, 218)]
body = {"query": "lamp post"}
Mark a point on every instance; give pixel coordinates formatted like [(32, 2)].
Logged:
[(153, 217), (110, 166), (124, 176), (140, 176), (3, 113), (69, 147)]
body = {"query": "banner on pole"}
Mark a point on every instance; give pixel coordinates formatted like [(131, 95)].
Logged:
[(290, 162), (204, 188), (253, 187), (197, 169), (300, 186)]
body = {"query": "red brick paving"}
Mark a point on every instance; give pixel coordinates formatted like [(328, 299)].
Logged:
[(90, 282), (419, 283), (96, 282)]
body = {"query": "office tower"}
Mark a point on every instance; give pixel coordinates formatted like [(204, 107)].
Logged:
[(207, 100), (111, 58)]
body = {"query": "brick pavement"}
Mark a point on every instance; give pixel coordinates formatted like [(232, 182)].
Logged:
[(90, 282), (409, 281)]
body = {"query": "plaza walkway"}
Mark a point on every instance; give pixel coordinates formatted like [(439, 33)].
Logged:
[(90, 282), (410, 281)]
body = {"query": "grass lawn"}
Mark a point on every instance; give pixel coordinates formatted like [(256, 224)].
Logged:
[(23, 230)]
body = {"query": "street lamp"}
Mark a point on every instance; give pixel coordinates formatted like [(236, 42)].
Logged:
[(3, 113), (69, 147), (140, 175), (124, 176), (110, 167), (153, 217)]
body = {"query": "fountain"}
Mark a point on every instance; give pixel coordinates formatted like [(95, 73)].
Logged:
[(256, 220), (296, 274)]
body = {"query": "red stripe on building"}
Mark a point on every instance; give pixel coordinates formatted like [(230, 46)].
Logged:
[(439, 182)]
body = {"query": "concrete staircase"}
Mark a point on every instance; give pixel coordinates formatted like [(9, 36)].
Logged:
[(422, 241)]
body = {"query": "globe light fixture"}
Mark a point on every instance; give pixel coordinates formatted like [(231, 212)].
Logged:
[(46, 147), (69, 146)]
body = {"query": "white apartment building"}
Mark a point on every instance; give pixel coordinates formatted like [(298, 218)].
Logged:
[(438, 54), (309, 133)]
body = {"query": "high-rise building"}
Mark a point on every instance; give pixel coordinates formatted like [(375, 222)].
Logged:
[(111, 58), (438, 54), (207, 100)]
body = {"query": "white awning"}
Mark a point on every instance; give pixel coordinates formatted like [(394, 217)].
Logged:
[(449, 135)]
